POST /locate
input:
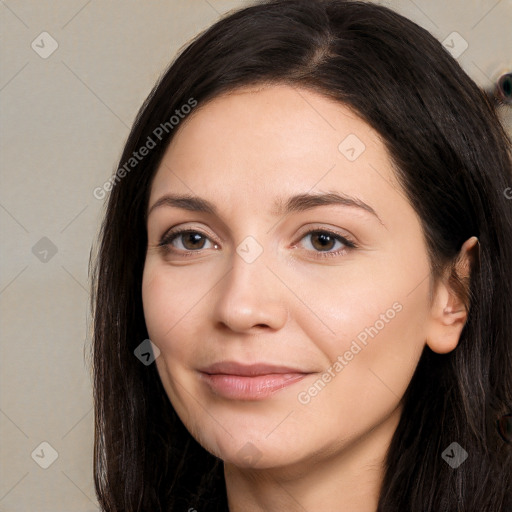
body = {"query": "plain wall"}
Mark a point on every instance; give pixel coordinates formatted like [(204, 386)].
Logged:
[(64, 119)]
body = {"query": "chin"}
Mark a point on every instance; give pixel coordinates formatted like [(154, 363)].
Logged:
[(255, 454)]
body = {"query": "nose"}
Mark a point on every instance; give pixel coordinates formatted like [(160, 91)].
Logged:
[(250, 298)]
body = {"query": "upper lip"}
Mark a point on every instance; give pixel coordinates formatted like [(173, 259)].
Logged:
[(248, 370)]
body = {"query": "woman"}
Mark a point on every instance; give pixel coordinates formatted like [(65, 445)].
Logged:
[(309, 222)]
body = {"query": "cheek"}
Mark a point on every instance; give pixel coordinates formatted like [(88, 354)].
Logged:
[(345, 302), (374, 321), (171, 318), (170, 303), (168, 316), (371, 365), (155, 302)]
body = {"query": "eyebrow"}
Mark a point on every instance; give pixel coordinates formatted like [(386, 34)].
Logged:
[(296, 203)]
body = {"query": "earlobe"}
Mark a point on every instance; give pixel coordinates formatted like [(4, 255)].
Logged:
[(449, 310)]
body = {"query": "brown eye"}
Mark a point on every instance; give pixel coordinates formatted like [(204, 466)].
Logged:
[(186, 241), (192, 240), (326, 243), (322, 241)]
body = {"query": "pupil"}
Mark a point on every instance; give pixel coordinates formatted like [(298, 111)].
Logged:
[(193, 238), (325, 241)]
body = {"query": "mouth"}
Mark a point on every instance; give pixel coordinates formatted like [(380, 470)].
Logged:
[(249, 382)]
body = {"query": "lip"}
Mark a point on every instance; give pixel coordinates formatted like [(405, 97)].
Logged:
[(249, 382)]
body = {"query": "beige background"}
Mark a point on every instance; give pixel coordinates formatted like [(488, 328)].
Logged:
[(64, 120)]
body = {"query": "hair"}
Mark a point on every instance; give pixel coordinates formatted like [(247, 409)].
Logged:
[(451, 156)]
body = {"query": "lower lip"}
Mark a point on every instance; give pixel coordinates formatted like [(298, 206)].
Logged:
[(257, 387)]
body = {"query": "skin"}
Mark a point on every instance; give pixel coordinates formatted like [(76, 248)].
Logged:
[(242, 151)]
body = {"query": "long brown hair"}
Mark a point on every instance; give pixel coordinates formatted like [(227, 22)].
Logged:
[(453, 160)]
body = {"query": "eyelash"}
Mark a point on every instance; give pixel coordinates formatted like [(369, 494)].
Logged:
[(168, 238)]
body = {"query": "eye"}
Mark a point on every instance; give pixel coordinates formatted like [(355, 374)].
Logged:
[(323, 242), (186, 240), (327, 242)]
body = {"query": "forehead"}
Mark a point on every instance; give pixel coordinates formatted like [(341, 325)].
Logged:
[(270, 136)]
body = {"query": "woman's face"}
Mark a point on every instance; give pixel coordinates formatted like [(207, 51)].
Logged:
[(291, 315)]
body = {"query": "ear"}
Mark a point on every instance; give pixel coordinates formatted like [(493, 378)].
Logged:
[(449, 311)]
